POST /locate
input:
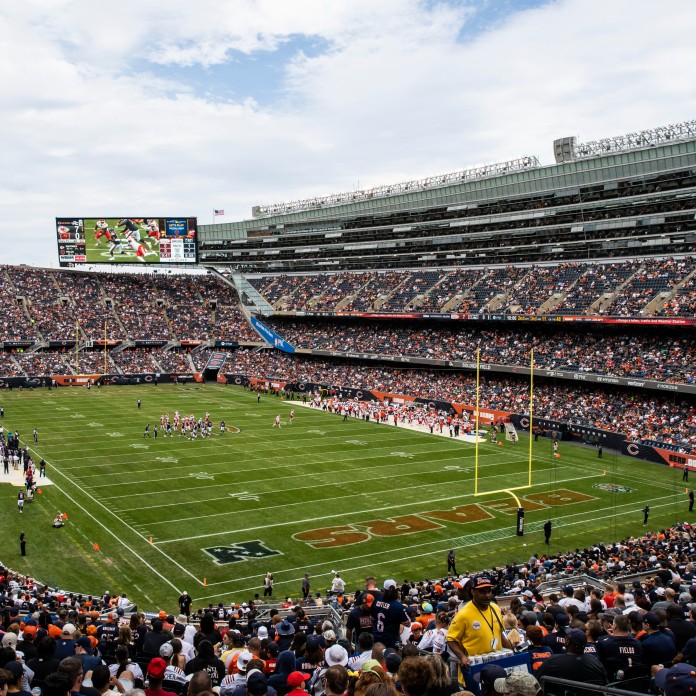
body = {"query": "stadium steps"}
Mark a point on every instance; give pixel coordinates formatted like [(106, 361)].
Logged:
[(348, 299), (453, 302), (383, 299), (676, 290), (37, 346), (424, 298), (607, 299), (497, 301), (202, 346), (249, 296), (551, 303), (656, 304), (127, 343)]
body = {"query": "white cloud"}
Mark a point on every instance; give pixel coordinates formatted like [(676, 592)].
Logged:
[(86, 127)]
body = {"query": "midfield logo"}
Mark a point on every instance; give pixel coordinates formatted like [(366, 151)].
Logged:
[(244, 551), (612, 488)]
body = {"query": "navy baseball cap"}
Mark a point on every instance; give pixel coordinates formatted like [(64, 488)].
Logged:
[(490, 673), (679, 680), (479, 582)]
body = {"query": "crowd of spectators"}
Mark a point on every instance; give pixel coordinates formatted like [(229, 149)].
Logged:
[(598, 281), (44, 363), (60, 305), (684, 303), (376, 291), (49, 304), (15, 323), (535, 289), (51, 314), (91, 362), (96, 318), (174, 361), (450, 288), (230, 325), (9, 367), (137, 361), (276, 288), (644, 355), (575, 288), (654, 277), (636, 415), (639, 618), (416, 284)]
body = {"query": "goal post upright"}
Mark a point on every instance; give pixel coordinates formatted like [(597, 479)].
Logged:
[(476, 422), (531, 411), (509, 490)]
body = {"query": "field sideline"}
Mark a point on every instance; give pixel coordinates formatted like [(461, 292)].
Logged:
[(213, 516)]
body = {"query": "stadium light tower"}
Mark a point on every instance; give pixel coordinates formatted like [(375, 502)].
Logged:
[(568, 149), (437, 181)]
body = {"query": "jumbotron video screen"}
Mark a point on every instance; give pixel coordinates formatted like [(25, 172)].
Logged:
[(118, 240)]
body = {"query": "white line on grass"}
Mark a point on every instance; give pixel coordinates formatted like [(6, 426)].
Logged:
[(315, 501), (316, 519), (302, 446), (317, 458), (353, 470), (391, 560), (106, 529), (249, 464), (113, 514)]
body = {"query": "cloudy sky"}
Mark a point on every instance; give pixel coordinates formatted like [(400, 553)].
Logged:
[(174, 107)]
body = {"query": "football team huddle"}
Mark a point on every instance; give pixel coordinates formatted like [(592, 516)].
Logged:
[(189, 427)]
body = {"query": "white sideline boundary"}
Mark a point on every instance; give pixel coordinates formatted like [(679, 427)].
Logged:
[(424, 429), (125, 524)]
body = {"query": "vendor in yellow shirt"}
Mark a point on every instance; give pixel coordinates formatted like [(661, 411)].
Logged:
[(477, 628)]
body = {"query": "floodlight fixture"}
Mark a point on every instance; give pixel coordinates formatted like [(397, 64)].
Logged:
[(431, 182)]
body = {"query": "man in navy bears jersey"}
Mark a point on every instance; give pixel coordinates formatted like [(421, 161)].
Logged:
[(389, 615), (620, 651)]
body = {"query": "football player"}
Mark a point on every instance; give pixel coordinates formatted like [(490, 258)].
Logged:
[(115, 241), (101, 229), (140, 251), (129, 227)]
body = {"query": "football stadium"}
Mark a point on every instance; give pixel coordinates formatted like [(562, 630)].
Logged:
[(479, 378)]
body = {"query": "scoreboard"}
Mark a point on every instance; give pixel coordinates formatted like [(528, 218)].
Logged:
[(127, 240)]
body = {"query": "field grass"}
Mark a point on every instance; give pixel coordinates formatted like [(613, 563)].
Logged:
[(322, 495)]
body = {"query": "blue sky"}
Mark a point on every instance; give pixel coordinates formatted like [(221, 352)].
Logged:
[(259, 75), (180, 108)]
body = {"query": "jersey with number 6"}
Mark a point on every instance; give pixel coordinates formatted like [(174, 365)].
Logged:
[(387, 619)]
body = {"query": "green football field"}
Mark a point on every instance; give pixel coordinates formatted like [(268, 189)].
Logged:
[(212, 516)]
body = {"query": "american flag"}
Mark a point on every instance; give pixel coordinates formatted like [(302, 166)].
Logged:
[(219, 212)]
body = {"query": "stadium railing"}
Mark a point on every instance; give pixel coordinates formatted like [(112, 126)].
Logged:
[(555, 686)]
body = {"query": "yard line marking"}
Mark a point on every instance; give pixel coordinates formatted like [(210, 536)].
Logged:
[(512, 459), (286, 490), (113, 514), (512, 534), (234, 476), (288, 523)]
